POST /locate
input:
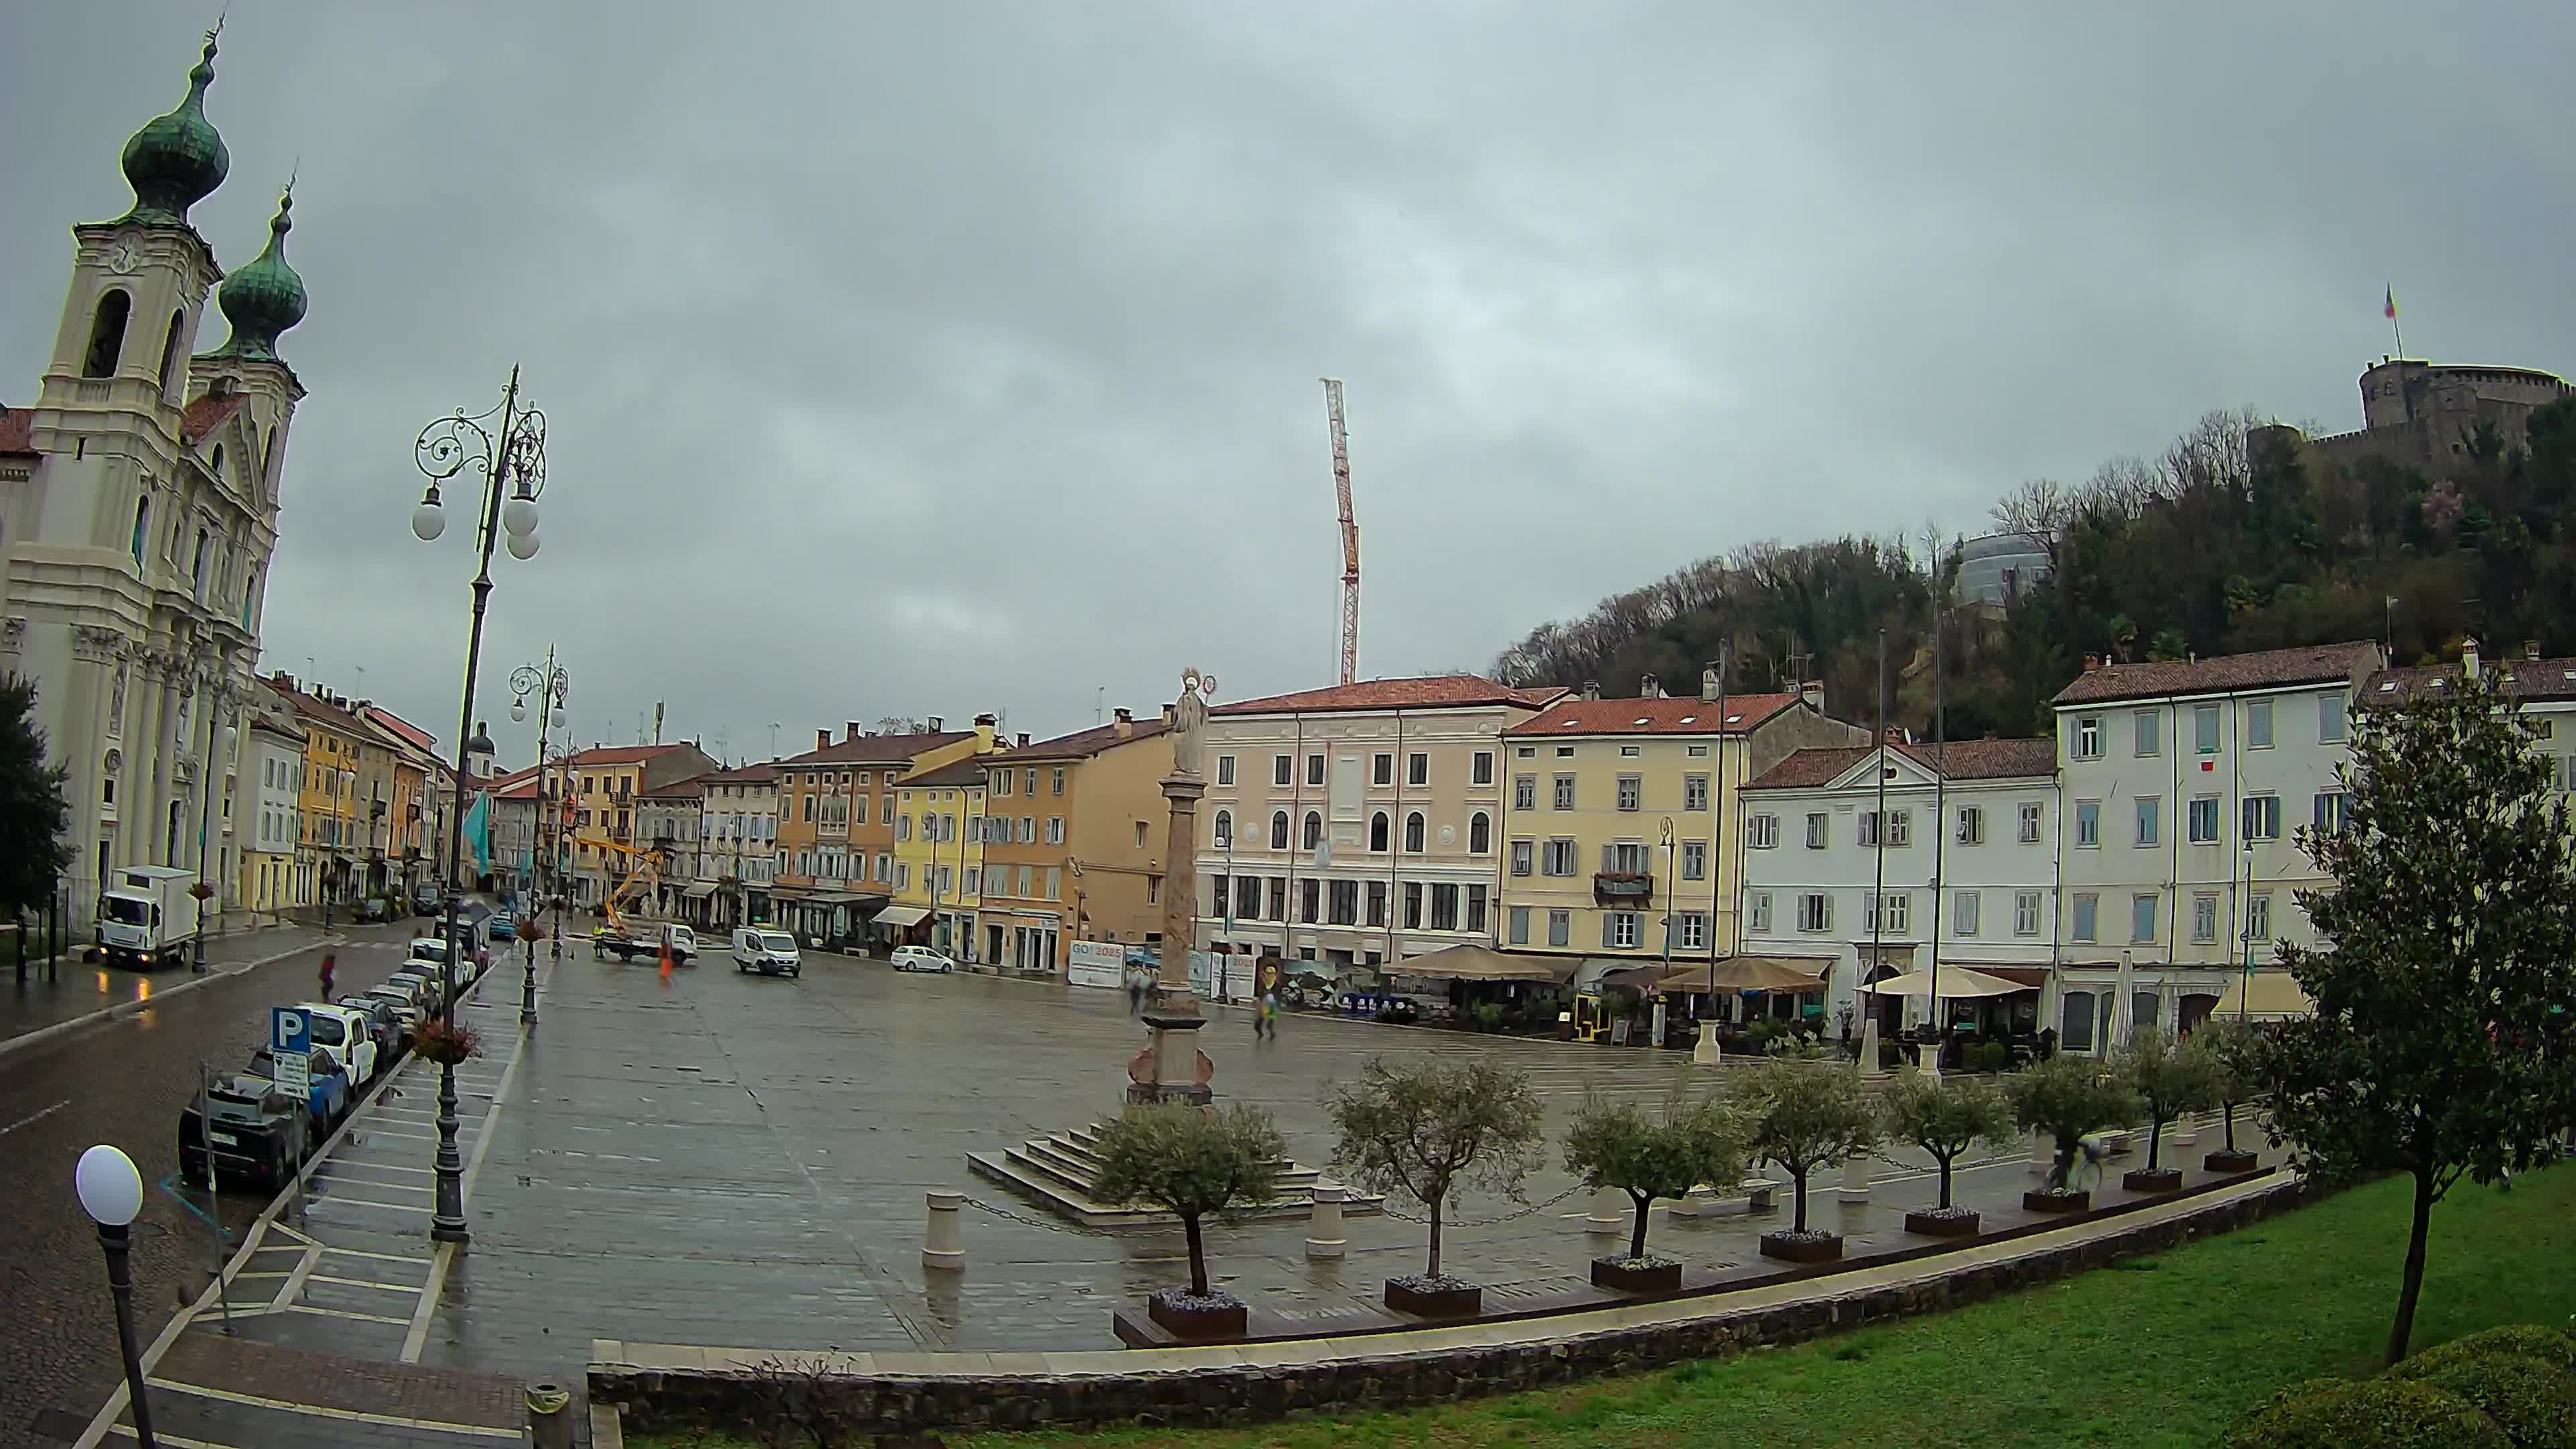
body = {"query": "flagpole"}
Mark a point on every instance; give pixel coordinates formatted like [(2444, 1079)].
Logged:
[(2395, 326)]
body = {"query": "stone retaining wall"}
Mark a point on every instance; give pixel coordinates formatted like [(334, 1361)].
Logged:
[(663, 1398)]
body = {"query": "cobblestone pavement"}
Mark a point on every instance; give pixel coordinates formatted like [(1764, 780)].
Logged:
[(124, 1081)]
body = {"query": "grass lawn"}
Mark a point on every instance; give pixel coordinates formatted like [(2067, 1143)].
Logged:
[(2160, 1351)]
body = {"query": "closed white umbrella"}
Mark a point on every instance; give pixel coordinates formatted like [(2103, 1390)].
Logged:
[(2124, 1008)]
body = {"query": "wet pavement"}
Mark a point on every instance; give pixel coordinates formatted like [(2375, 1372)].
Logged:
[(124, 1081)]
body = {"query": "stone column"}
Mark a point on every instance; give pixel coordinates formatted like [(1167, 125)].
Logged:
[(1324, 1222), (1172, 1068)]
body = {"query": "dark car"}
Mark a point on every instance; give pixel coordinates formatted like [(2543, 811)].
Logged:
[(385, 1024), (375, 908), (328, 1094), (426, 903), (252, 1129)]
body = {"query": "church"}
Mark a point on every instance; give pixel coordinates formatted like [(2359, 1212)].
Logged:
[(138, 513)]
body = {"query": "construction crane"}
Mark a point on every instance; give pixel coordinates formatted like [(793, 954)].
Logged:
[(642, 878), (1350, 534)]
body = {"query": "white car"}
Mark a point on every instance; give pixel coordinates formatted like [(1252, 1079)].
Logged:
[(344, 1033), (921, 958)]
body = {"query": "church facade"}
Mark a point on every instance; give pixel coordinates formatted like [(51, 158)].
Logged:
[(138, 514)]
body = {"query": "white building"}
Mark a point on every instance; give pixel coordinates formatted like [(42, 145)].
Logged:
[(273, 760), (2184, 784), (138, 507), (738, 850), (1960, 868)]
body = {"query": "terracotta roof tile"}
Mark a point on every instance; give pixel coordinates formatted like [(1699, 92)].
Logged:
[(599, 755), (319, 710), (968, 772), (1663, 715), (1964, 759), (2272, 668), (695, 785), (1083, 744), (761, 774), (2533, 679), (209, 413), (17, 431), (876, 749), (1436, 691)]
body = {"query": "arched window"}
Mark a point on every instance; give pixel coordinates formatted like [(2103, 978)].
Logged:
[(142, 518), (1377, 832), (1413, 833), (197, 567), (107, 334), (170, 347), (1480, 833), (1224, 829), (218, 469), (1279, 830), (250, 595), (1314, 829)]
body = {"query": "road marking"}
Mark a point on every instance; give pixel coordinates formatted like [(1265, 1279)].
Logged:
[(172, 1440), (418, 1334), (35, 1117), (388, 1257), (366, 1283), (320, 1411), (391, 1207), (339, 1313)]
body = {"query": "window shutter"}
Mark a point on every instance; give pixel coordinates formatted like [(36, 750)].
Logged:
[(1609, 858), (1605, 928)]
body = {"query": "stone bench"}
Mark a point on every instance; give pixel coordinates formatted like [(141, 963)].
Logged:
[(1760, 1194)]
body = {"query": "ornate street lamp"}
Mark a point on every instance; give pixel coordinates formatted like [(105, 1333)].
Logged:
[(552, 687), (510, 454), (111, 1192)]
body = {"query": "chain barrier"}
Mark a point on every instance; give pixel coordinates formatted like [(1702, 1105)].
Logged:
[(1023, 1219), (1391, 1210)]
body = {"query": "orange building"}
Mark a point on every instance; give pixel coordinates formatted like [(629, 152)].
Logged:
[(836, 809)]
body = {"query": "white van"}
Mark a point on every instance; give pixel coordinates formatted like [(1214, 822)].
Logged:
[(766, 950)]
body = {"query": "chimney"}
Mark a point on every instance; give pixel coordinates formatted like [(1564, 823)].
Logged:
[(934, 724), (849, 729), (2469, 657), (2092, 663), (1648, 687), (1123, 723), (1895, 735), (1592, 689), (983, 729), (1708, 684), (2531, 649), (1021, 739), (1813, 692), (822, 739)]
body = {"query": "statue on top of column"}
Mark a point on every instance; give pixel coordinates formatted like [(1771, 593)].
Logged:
[(1189, 721)]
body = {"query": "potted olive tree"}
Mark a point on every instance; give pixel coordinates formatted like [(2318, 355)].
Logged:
[(2235, 1046), (1428, 1130), (2068, 1097), (1808, 1115), (1945, 1116), (1619, 1145), (2170, 1078), (1192, 1162)]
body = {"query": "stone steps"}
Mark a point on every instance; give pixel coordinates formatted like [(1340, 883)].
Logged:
[(1060, 1171)]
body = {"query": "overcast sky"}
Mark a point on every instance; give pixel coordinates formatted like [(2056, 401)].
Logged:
[(905, 359)]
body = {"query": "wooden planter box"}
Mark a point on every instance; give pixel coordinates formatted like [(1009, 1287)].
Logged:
[(2152, 1179), (1937, 1225), (1789, 1249), (2225, 1161), (1619, 1276), (1219, 1315), (2056, 1202), (1460, 1300)]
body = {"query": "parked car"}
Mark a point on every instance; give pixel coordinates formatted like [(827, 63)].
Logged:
[(921, 958), (346, 1034), (375, 908), (327, 1086), (409, 1003), (422, 982), (771, 953), (426, 902), (252, 1129), (384, 1021), (431, 956)]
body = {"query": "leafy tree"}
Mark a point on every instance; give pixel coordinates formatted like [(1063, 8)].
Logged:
[(2069, 1097), (1618, 1145), (1191, 1162), (1428, 1129), (2170, 1078), (1807, 1117), (34, 816), (2235, 1049), (1945, 1116), (2439, 1047)]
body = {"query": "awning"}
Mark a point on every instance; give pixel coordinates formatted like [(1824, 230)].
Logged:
[(700, 891), (1734, 974), (1957, 982), (903, 915), (2276, 995), (1480, 963)]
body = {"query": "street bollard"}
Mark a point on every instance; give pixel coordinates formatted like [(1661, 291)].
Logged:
[(2043, 1153), (944, 1246), (1856, 1179), (1324, 1222), (550, 1419), (1609, 1213), (2186, 1131)]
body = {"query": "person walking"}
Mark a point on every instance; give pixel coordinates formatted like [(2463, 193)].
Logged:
[(1135, 989), (1265, 1019), (330, 968)]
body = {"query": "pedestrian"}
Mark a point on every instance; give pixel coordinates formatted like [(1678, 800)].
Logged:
[(666, 965), (1265, 1021), (1135, 989), (330, 966)]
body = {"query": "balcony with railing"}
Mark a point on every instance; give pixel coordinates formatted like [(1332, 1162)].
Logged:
[(1623, 888)]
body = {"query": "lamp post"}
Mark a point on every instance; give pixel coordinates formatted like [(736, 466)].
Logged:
[(217, 733), (111, 1192), (513, 460), (551, 686), (2245, 912), (1665, 845)]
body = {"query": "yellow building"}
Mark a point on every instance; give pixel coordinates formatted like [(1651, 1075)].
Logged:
[(939, 855), (1073, 844), (1621, 817), (836, 810), (329, 837)]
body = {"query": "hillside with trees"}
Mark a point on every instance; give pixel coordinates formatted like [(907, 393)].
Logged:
[(2206, 548)]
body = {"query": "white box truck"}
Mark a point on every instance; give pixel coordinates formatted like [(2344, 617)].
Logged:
[(148, 918)]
